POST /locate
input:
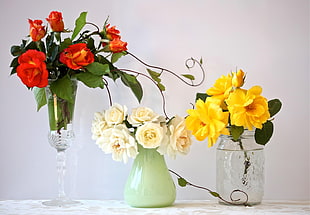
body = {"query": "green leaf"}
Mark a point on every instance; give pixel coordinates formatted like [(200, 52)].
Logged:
[(64, 44), (132, 82), (155, 76), (114, 72), (215, 194), (262, 136), (202, 96), (98, 68), (161, 87), (274, 106), (52, 52), (49, 40), (91, 44), (188, 76), (182, 182), (16, 50), (31, 45), (58, 36), (116, 56), (236, 131), (41, 46), (62, 88), (90, 80), (14, 64), (39, 94), (79, 24)]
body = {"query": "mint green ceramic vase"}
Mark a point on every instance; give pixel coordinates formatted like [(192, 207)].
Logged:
[(149, 184)]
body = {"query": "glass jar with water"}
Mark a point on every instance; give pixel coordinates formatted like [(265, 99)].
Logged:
[(240, 169)]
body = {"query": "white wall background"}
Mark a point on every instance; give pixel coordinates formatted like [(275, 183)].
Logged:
[(268, 39)]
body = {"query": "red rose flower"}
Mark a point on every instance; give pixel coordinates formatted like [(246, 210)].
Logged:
[(55, 21), (76, 56), (117, 45), (112, 33), (37, 30), (32, 69)]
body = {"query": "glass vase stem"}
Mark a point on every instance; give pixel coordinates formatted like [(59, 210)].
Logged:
[(61, 169)]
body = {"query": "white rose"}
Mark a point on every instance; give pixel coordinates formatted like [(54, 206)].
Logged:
[(141, 115), (98, 125), (116, 114), (118, 141), (180, 138), (150, 135)]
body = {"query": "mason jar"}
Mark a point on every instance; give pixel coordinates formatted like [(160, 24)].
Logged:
[(240, 169)]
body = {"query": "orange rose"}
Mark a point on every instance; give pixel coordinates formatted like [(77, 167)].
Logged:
[(76, 56), (32, 69), (37, 30), (117, 45), (112, 33), (55, 21)]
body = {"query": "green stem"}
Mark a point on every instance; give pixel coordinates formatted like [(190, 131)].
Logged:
[(247, 162), (215, 194)]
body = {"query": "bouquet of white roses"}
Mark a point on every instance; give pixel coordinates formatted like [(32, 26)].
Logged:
[(119, 133)]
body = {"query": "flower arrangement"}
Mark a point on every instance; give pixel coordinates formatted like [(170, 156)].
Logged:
[(37, 61), (47, 57), (118, 133), (228, 109)]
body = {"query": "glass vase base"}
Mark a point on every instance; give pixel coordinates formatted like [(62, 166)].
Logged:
[(237, 203), (61, 202), (149, 205)]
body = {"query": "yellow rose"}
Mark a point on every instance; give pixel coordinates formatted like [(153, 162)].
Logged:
[(179, 138), (141, 115), (238, 78), (221, 89), (207, 120), (248, 108), (150, 135), (115, 115)]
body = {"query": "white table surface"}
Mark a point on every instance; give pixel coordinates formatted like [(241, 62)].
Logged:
[(196, 207)]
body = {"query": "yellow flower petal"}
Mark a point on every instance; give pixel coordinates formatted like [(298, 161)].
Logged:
[(248, 108), (207, 120)]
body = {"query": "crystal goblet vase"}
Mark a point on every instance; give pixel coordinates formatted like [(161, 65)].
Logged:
[(61, 135)]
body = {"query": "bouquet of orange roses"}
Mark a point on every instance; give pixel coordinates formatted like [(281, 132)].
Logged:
[(45, 56), (48, 57)]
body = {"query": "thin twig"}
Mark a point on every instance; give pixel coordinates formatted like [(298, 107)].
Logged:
[(108, 91), (232, 202), (173, 73), (161, 92)]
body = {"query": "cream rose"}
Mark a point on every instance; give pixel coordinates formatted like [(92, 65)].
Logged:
[(116, 114), (141, 115), (98, 125), (118, 141), (180, 138), (150, 135)]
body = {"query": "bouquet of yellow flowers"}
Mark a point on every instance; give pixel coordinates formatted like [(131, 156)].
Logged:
[(228, 109)]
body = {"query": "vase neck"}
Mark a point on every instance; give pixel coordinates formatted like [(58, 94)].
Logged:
[(60, 97), (149, 155), (246, 142)]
